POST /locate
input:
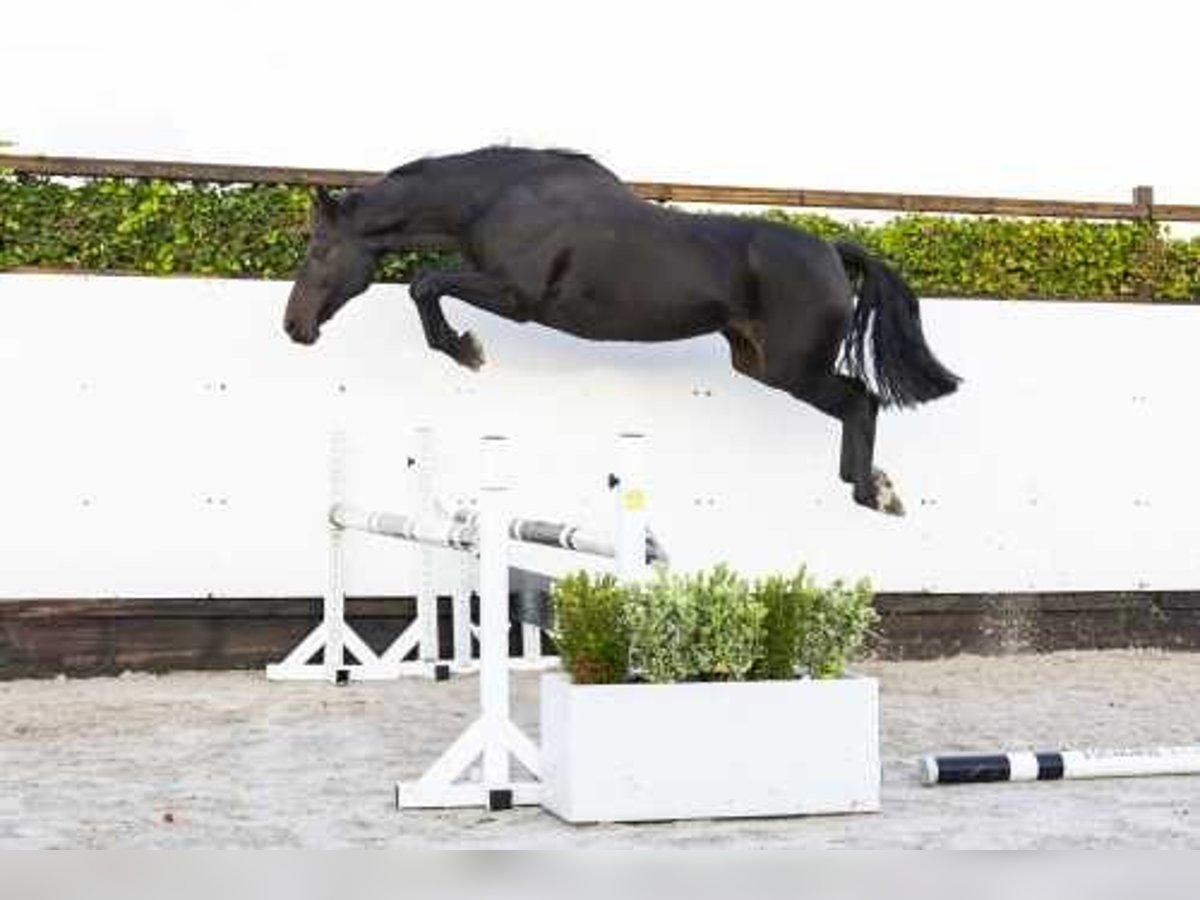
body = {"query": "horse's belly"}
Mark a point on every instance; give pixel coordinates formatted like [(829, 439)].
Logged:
[(646, 315)]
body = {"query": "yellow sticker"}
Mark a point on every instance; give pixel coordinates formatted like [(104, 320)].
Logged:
[(633, 501)]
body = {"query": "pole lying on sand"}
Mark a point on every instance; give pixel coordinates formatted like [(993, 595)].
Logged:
[(1058, 765)]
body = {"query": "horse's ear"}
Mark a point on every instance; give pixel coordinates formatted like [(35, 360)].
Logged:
[(326, 203)]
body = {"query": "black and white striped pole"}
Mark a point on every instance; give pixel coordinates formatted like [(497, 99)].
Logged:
[(978, 768)]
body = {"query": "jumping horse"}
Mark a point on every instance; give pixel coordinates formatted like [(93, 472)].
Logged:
[(553, 237)]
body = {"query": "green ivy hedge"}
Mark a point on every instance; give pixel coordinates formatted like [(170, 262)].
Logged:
[(258, 231)]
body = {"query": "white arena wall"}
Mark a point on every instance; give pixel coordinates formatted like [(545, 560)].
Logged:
[(163, 438)]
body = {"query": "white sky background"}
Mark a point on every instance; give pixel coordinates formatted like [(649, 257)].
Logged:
[(1074, 100)]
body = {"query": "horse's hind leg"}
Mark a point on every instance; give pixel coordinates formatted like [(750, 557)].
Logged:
[(804, 309), (848, 400)]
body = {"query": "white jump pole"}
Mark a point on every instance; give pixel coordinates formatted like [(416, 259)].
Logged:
[(332, 635), (632, 507), (1059, 765), (492, 738), (493, 611), (335, 592), (421, 634), (426, 596), (460, 611)]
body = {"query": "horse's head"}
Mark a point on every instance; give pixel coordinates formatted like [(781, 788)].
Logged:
[(338, 266)]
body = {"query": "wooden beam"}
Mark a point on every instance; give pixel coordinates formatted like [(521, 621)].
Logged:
[(866, 200), (1176, 212), (217, 173), (40, 638), (81, 167)]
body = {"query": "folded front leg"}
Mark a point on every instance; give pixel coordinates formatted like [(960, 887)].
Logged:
[(476, 288)]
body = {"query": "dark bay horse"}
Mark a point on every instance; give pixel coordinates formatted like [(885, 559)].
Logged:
[(553, 237)]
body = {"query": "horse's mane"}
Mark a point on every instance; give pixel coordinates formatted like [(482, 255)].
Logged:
[(502, 151)]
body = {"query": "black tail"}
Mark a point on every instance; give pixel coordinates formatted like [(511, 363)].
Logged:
[(905, 370)]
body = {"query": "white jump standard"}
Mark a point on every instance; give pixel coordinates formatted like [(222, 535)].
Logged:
[(333, 635), (431, 527), (970, 768), (493, 739)]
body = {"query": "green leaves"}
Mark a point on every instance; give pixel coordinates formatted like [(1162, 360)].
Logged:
[(945, 256), (158, 228), (781, 596), (714, 625), (832, 625), (705, 627), (590, 629), (260, 231)]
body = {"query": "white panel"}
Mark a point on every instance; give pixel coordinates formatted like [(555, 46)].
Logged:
[(649, 752), (164, 438)]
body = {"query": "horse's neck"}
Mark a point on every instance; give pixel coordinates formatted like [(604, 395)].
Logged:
[(435, 206), (399, 213)]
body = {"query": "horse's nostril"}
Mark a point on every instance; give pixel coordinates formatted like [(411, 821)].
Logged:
[(299, 333)]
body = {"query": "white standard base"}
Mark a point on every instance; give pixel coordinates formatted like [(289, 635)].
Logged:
[(643, 752), (371, 666), (449, 782)]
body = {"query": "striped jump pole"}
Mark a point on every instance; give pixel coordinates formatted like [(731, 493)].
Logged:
[(547, 534), (970, 768), (632, 547)]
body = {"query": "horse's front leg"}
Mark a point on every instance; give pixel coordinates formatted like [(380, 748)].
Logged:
[(476, 288)]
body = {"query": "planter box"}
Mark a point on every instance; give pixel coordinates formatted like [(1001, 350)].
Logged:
[(644, 752)]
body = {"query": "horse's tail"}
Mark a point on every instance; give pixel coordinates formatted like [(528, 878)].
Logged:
[(905, 370)]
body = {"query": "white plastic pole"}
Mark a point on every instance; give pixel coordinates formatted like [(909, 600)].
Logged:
[(335, 598), (426, 597), (461, 614), (493, 611), (632, 503)]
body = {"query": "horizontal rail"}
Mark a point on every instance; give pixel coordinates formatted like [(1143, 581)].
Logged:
[(456, 535), (461, 531), (866, 200), (221, 173), (216, 173)]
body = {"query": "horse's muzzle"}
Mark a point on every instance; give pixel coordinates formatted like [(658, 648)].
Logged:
[(301, 334)]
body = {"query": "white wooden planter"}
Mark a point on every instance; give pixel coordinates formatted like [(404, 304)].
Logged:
[(643, 752)]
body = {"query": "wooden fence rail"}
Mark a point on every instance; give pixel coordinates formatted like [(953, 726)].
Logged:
[(1141, 206)]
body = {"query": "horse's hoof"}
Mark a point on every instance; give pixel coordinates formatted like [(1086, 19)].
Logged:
[(470, 352), (886, 498), (879, 494)]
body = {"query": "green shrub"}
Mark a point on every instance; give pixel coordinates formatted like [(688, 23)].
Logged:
[(728, 621), (163, 228), (780, 598), (590, 628), (709, 626), (663, 620), (833, 623), (701, 627), (259, 231), (948, 256)]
